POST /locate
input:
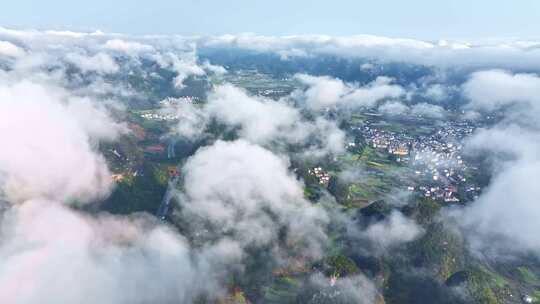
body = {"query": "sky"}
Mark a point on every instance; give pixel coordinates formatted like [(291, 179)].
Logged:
[(422, 19)]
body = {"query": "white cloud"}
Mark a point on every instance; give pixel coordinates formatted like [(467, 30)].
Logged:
[(48, 160), (323, 92), (510, 142), (263, 121), (394, 230), (128, 47), (49, 51), (437, 92), (47, 144), (508, 53), (367, 67), (493, 89), (184, 65), (57, 255), (244, 191), (428, 110), (504, 219), (502, 53), (101, 63), (317, 44), (72, 34), (510, 197), (393, 107), (216, 69), (380, 88), (192, 120), (324, 138), (9, 49)]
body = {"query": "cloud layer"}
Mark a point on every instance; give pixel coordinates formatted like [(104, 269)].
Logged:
[(49, 139), (504, 218), (325, 92), (499, 53), (246, 192), (54, 254), (262, 121)]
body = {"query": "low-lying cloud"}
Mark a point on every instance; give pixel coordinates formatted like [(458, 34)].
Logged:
[(48, 141), (326, 92), (502, 53), (493, 89), (57, 255), (262, 121), (503, 219), (241, 190)]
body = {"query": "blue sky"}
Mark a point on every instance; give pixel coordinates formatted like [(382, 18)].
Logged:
[(423, 19)]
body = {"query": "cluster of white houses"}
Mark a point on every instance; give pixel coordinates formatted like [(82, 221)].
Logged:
[(436, 158)]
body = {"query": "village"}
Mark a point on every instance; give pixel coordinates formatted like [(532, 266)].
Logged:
[(440, 172)]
